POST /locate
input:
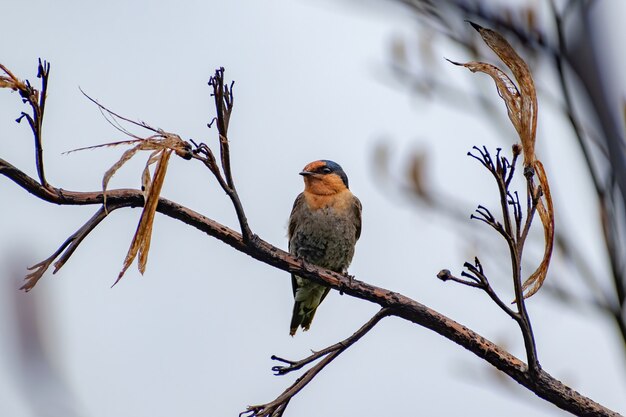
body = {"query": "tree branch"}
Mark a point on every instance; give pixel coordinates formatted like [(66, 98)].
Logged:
[(37, 102), (71, 243), (224, 99), (277, 407), (392, 303), (502, 172), (543, 384)]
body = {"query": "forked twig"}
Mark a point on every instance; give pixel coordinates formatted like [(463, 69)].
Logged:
[(515, 237), (224, 99), (68, 247), (277, 407), (37, 101)]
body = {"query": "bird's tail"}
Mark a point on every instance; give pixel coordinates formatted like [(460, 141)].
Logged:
[(301, 317)]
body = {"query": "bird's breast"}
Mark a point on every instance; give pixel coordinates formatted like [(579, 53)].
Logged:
[(337, 202), (325, 235)]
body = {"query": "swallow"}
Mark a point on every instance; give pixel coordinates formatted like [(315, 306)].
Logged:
[(324, 226)]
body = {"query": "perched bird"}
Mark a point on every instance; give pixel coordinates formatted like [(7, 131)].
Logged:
[(324, 225)]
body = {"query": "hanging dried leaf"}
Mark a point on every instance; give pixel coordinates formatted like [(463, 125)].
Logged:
[(527, 125), (146, 181), (157, 143), (126, 156), (141, 240), (521, 104), (162, 145), (546, 214), (520, 99)]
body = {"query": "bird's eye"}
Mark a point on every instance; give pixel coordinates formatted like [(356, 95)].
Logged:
[(326, 170)]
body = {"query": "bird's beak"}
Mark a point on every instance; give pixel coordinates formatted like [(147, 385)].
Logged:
[(306, 173)]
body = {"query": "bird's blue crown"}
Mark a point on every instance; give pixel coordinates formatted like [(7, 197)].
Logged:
[(336, 169)]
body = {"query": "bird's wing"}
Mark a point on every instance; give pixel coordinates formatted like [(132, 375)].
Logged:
[(292, 217), (358, 208), (297, 205), (294, 285)]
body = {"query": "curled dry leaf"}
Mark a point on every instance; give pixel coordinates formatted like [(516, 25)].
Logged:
[(141, 240), (521, 104), (527, 126), (520, 99), (546, 214), (162, 145)]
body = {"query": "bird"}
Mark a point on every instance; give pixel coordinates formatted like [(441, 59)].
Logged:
[(324, 226)]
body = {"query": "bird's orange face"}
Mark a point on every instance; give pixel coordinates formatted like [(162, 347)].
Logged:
[(322, 179)]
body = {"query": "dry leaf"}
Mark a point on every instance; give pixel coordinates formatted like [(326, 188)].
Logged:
[(546, 214), (159, 142), (520, 99), (126, 156), (141, 241), (162, 145), (7, 83), (11, 81), (527, 125), (521, 104)]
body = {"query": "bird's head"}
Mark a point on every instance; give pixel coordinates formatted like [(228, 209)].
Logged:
[(324, 178)]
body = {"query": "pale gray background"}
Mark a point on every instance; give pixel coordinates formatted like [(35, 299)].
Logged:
[(193, 336)]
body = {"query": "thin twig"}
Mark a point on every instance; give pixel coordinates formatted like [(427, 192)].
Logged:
[(119, 116), (277, 407), (224, 99), (510, 230), (37, 101), (476, 270), (67, 248), (446, 275), (43, 72)]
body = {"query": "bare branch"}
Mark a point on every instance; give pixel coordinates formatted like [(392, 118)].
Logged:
[(37, 101), (502, 172), (277, 407), (446, 275), (71, 243), (392, 303), (544, 385), (224, 99)]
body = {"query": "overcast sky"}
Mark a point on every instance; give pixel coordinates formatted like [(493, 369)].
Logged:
[(194, 335)]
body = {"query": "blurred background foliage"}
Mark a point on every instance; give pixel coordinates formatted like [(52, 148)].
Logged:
[(563, 43)]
